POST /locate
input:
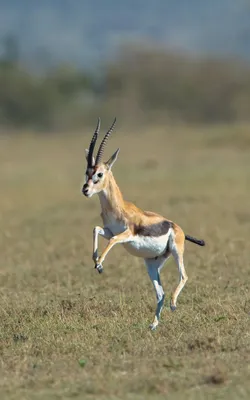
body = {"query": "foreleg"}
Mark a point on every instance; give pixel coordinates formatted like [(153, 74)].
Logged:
[(121, 238), (104, 232)]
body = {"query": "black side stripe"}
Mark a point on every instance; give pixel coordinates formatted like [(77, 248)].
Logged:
[(154, 230)]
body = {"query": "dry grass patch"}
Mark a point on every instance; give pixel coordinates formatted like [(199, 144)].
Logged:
[(67, 331)]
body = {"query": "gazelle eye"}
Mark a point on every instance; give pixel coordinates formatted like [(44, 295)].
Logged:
[(100, 175)]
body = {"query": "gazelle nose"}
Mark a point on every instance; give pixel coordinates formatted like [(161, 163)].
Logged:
[(85, 189)]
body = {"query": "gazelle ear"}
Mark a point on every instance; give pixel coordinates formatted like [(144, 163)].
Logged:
[(86, 155), (112, 159)]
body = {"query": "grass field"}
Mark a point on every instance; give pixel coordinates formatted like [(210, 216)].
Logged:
[(68, 332)]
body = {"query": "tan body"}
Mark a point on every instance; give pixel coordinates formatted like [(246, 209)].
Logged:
[(119, 216), (143, 233)]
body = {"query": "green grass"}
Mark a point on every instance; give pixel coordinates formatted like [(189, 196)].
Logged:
[(68, 332)]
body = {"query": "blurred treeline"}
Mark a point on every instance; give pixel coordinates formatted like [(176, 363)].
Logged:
[(141, 84)]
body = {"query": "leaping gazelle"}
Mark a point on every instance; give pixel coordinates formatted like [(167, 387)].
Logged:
[(144, 234)]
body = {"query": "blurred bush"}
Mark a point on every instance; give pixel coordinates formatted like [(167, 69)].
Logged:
[(141, 85), (46, 100), (154, 84)]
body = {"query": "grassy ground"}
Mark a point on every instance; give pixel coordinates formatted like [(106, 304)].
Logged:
[(68, 332)]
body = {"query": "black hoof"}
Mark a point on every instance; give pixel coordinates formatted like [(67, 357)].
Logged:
[(99, 268), (172, 308)]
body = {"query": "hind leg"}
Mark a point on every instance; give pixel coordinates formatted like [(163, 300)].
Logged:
[(177, 252), (154, 266)]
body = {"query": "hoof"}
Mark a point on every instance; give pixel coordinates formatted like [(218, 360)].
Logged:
[(99, 268), (153, 327), (172, 307)]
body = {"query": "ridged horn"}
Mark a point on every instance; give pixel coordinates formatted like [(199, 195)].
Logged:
[(93, 142), (103, 143)]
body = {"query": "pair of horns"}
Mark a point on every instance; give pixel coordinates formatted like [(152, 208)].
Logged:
[(102, 145)]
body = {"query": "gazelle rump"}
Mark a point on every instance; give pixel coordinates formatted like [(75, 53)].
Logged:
[(143, 233)]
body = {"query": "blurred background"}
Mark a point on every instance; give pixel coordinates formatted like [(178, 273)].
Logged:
[(64, 62), (176, 74)]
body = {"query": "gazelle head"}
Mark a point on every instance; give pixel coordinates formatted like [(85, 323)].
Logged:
[(98, 172)]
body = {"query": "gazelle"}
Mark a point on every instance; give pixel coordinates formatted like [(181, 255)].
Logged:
[(143, 233)]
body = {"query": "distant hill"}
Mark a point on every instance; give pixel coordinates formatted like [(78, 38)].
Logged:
[(89, 32)]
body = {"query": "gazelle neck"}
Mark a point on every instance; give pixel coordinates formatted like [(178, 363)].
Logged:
[(111, 198)]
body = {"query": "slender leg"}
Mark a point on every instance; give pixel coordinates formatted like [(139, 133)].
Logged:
[(177, 252), (121, 238), (154, 266), (106, 233)]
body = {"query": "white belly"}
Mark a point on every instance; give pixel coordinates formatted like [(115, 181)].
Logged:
[(147, 246), (139, 246)]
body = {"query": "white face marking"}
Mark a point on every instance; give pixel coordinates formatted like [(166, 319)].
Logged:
[(95, 178), (94, 181)]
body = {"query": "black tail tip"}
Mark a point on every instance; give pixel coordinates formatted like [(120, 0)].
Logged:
[(200, 242)]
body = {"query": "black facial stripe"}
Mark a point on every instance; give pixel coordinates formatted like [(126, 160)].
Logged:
[(156, 230), (89, 173)]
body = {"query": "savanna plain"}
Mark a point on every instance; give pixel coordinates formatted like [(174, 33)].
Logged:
[(67, 331)]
